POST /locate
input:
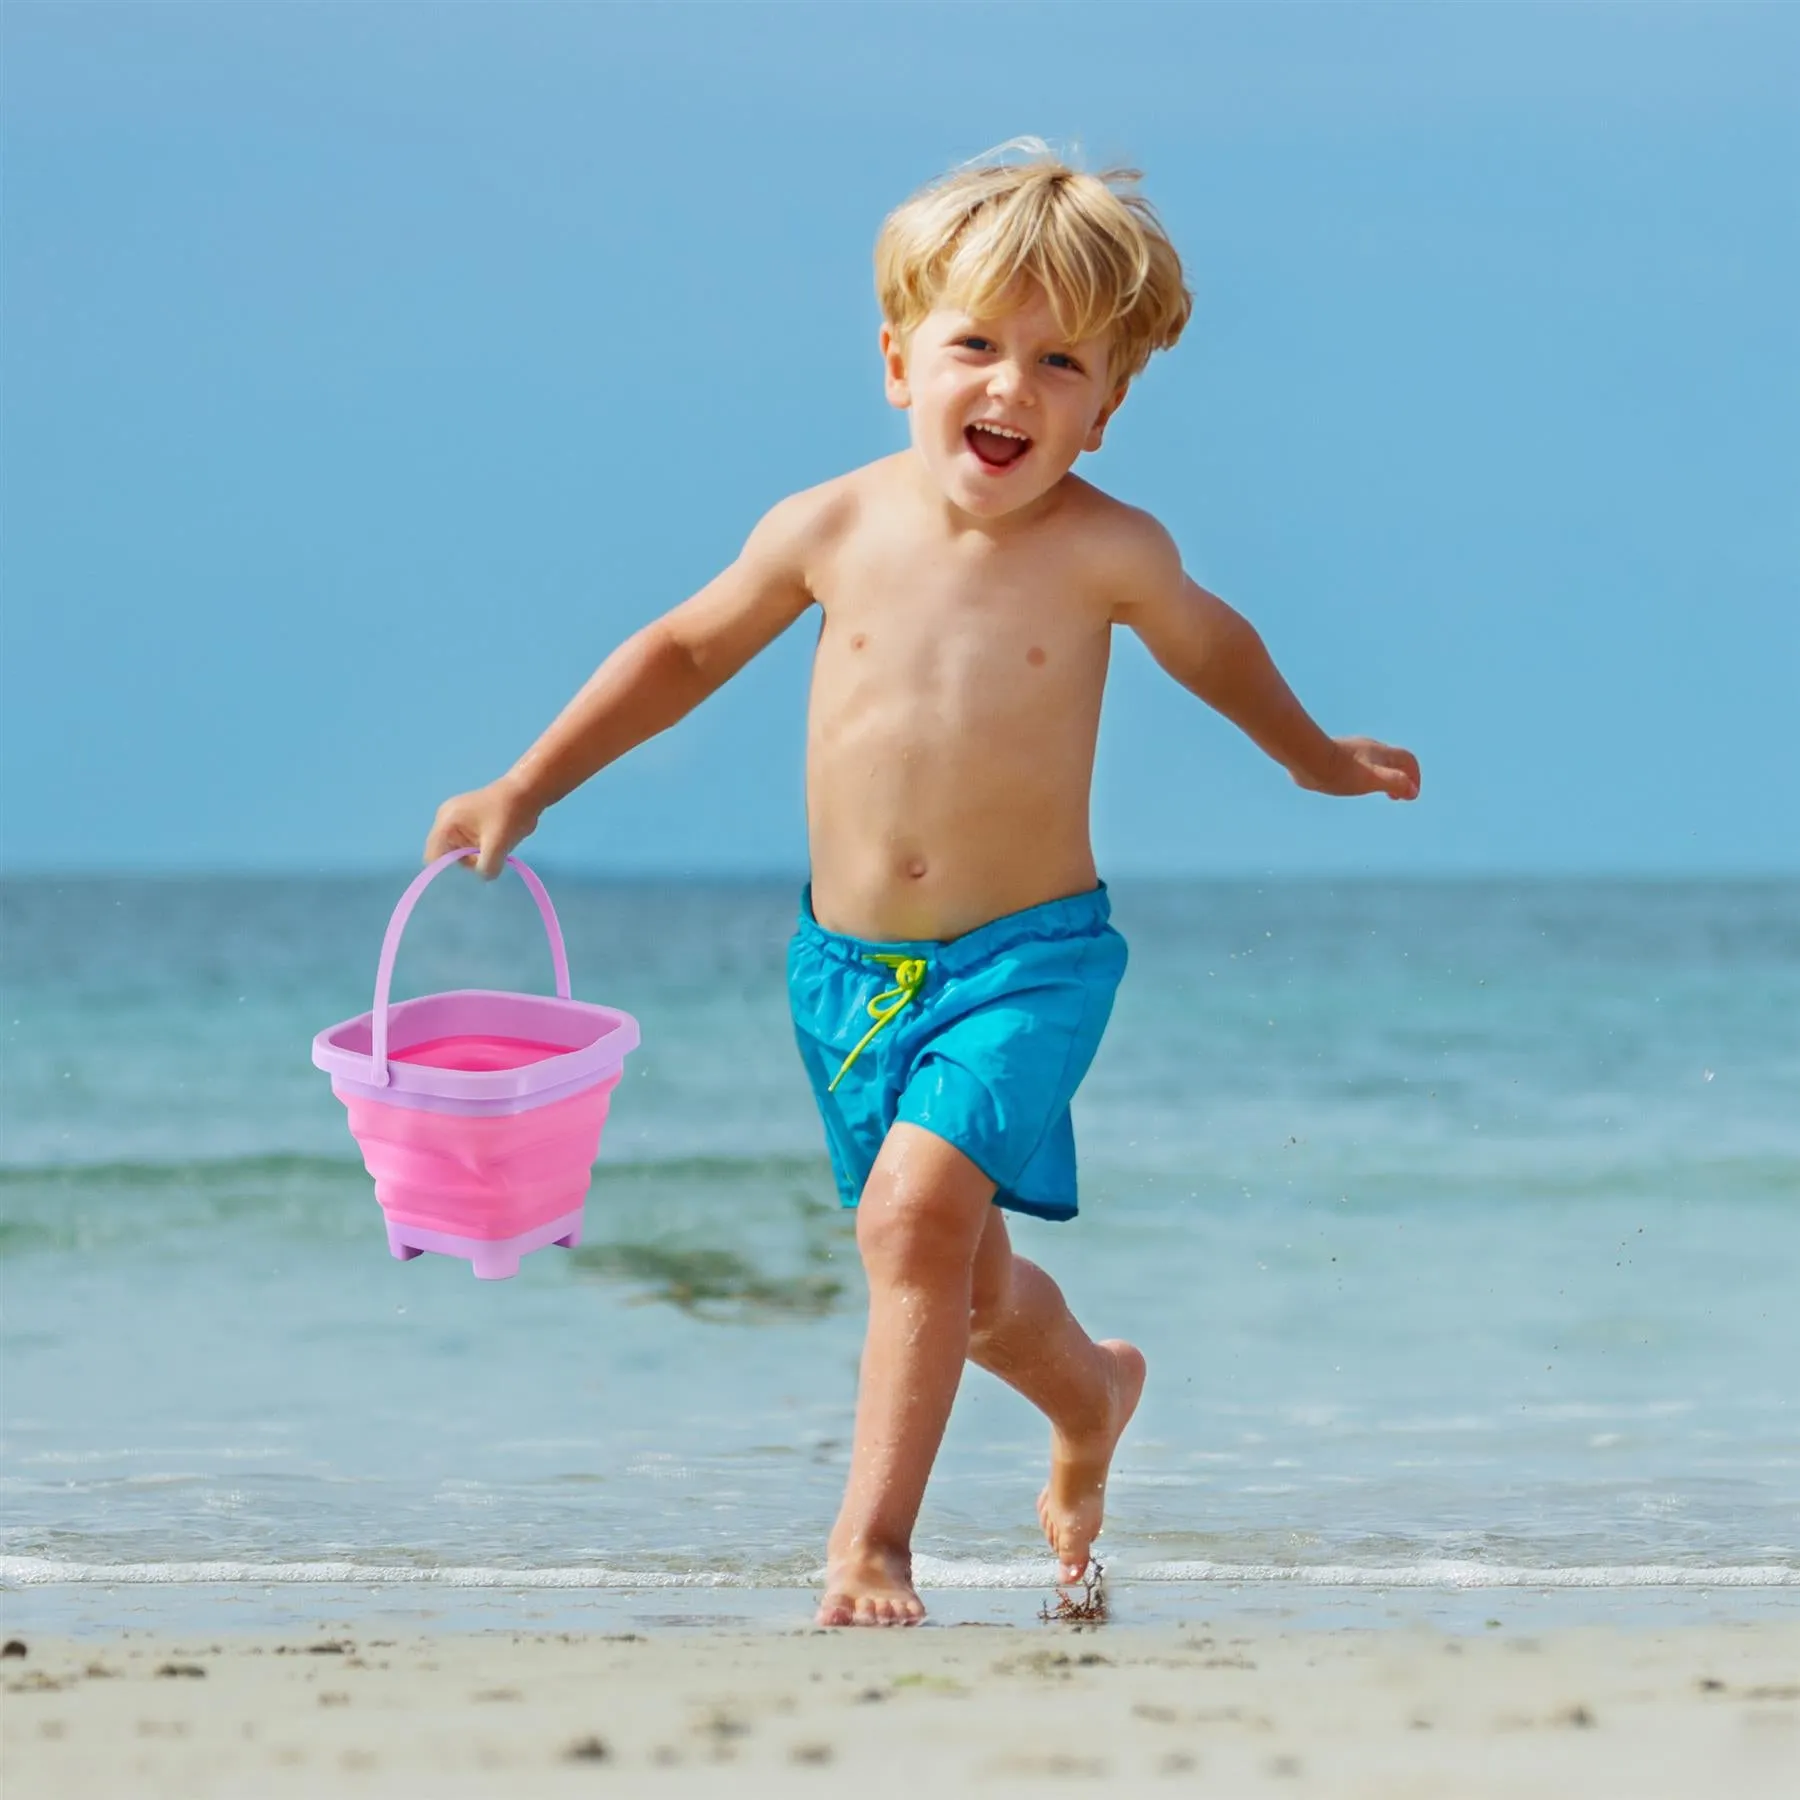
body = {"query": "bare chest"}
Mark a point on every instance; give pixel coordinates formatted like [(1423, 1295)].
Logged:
[(944, 620)]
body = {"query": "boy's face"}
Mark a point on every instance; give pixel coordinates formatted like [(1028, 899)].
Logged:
[(1000, 407)]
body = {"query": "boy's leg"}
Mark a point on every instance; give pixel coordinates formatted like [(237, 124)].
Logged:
[(1022, 1331), (921, 1216)]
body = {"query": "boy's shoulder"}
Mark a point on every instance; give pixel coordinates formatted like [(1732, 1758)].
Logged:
[(832, 505), (815, 518), (1104, 515), (1119, 547), (1111, 547)]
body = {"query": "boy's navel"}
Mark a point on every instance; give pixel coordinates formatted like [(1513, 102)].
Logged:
[(1036, 657), (857, 642)]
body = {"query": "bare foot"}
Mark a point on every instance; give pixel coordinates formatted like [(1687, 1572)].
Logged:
[(870, 1587), (1072, 1507)]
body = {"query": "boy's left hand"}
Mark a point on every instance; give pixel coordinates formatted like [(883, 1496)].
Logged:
[(1366, 767)]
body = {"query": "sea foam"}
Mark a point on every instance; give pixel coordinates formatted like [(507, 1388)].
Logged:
[(930, 1572)]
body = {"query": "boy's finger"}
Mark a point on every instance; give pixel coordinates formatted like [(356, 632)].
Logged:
[(436, 846)]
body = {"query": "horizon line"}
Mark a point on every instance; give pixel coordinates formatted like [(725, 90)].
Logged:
[(747, 876)]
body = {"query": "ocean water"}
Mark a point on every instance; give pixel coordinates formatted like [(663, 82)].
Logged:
[(1460, 1224)]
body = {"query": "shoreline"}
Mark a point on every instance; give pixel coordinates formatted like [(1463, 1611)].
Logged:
[(1245, 1708), (95, 1607)]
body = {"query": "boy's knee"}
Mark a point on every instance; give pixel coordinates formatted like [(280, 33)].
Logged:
[(988, 1287), (910, 1243), (922, 1212), (920, 1236)]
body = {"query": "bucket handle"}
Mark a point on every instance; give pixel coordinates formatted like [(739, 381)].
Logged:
[(390, 948)]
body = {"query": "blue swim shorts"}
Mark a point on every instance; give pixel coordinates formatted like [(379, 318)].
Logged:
[(981, 1040)]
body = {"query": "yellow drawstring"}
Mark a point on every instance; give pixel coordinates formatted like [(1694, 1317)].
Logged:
[(909, 977)]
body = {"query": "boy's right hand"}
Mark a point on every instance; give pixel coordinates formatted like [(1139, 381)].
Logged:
[(488, 822)]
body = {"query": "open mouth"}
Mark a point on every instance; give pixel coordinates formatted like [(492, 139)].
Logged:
[(997, 446)]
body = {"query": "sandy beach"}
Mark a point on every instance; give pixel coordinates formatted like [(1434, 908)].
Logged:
[(1703, 1710)]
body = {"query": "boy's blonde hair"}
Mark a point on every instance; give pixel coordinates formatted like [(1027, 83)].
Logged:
[(1095, 247)]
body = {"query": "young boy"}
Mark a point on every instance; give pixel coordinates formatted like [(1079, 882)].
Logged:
[(953, 967)]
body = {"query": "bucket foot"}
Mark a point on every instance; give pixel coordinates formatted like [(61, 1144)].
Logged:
[(405, 1252), (494, 1265), (571, 1240)]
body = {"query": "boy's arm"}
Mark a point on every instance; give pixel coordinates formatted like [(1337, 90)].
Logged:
[(1216, 653), (657, 676)]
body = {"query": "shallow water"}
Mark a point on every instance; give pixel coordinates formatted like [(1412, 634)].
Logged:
[(1460, 1223)]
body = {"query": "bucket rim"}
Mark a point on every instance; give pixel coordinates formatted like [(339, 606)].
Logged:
[(585, 1064)]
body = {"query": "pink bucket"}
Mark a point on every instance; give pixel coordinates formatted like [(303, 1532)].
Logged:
[(478, 1112)]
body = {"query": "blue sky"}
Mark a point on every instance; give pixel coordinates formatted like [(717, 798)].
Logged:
[(369, 371)]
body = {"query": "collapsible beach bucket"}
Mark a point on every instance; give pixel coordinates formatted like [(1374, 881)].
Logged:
[(478, 1112)]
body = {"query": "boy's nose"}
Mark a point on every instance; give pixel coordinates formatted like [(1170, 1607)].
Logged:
[(1007, 380)]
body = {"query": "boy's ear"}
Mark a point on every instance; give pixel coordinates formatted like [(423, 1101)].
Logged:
[(1097, 431), (893, 355)]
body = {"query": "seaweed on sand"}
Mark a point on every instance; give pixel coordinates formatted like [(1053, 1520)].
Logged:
[(1090, 1609)]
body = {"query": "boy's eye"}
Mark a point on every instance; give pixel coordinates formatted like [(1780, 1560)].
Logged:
[(1059, 358)]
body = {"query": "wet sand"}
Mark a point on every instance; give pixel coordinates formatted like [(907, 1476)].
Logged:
[(1600, 1714)]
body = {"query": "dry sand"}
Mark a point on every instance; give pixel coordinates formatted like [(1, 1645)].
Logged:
[(1706, 1712)]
